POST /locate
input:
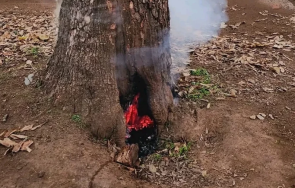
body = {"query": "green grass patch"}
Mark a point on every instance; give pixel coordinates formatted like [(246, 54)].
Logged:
[(78, 120), (157, 157), (35, 51), (203, 87)]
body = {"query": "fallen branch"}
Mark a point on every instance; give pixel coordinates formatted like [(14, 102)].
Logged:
[(128, 156)]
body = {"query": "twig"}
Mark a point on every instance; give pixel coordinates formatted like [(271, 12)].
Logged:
[(41, 113), (287, 57)]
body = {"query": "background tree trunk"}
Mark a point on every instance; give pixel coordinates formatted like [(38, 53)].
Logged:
[(81, 72)]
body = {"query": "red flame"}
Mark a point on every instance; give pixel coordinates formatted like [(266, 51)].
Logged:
[(133, 120)]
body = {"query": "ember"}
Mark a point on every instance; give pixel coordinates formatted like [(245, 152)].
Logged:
[(140, 127), (133, 120)]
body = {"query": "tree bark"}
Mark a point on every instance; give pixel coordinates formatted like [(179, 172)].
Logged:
[(81, 71), (105, 42)]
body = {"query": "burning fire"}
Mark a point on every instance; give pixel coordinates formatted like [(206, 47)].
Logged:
[(133, 120)]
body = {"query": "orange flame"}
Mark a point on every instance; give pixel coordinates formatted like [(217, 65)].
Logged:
[(133, 120)]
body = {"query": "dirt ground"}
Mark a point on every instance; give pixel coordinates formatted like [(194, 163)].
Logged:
[(230, 149)]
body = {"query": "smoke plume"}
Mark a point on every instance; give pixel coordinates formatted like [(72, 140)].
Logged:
[(193, 22)]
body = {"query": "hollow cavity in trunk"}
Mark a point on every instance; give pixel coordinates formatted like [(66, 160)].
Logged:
[(141, 128)]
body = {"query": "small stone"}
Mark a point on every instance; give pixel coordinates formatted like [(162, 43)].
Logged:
[(233, 93), (41, 174), (87, 19), (253, 117), (242, 83), (282, 69), (260, 117)]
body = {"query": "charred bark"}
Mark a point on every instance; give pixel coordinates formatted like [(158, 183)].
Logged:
[(81, 71)]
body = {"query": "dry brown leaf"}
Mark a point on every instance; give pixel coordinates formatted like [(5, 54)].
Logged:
[(7, 151), (8, 133), (152, 168), (43, 37), (276, 70), (18, 146), (36, 127), (26, 146), (18, 136), (7, 142), (3, 133), (27, 128), (31, 127)]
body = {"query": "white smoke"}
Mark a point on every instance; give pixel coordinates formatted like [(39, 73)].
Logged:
[(193, 22), (57, 9)]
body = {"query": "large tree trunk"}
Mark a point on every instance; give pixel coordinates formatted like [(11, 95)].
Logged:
[(98, 37)]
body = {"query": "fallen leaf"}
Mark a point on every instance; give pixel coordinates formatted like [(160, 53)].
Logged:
[(8, 133), (38, 126), (18, 146), (7, 142), (251, 81), (5, 117), (262, 114), (43, 37), (26, 146), (27, 128), (276, 70), (17, 136), (3, 133), (7, 151), (233, 93), (191, 89), (237, 25), (268, 90), (152, 168), (260, 117), (271, 116), (204, 173), (185, 74), (223, 25), (29, 62)]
